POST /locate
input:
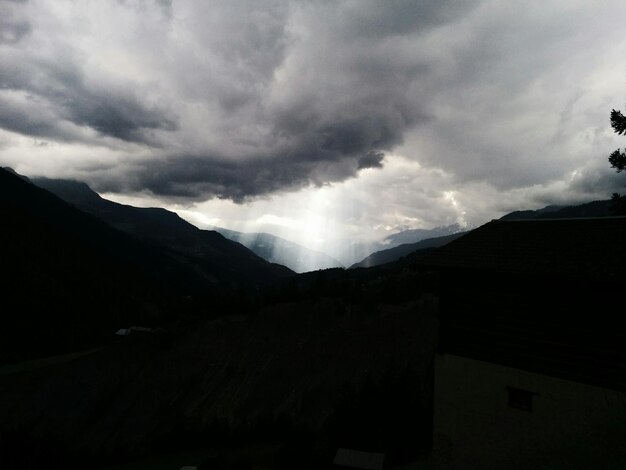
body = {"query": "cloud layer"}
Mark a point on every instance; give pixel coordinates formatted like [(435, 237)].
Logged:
[(494, 105), (234, 99)]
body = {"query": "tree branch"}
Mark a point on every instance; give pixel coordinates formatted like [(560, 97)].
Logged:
[(618, 122), (618, 160)]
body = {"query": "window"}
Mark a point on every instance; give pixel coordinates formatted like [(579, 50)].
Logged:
[(521, 399)]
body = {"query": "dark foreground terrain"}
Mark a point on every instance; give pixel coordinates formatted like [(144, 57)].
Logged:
[(236, 362), (293, 382), (233, 362)]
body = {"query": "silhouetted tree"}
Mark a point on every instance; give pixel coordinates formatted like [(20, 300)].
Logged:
[(618, 159)]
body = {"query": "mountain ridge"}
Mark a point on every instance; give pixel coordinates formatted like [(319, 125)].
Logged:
[(394, 254), (360, 251), (208, 251), (600, 208), (70, 279)]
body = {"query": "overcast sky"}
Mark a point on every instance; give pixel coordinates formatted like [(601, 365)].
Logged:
[(322, 121)]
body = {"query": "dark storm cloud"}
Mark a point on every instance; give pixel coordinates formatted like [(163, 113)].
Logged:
[(268, 96), (193, 177), (199, 176), (317, 153), (122, 117), (371, 160), (62, 87), (40, 66), (28, 118), (244, 98)]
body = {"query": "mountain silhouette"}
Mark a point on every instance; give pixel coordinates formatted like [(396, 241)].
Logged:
[(394, 254), (70, 280), (359, 251), (416, 235), (589, 209), (221, 261)]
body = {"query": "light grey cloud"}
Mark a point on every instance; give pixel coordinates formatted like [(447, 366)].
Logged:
[(12, 31), (13, 25)]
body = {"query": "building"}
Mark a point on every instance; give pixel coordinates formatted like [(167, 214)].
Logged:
[(530, 370)]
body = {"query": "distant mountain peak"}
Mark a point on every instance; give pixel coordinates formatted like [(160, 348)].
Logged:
[(418, 234)]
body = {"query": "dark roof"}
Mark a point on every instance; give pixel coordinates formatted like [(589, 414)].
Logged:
[(588, 248)]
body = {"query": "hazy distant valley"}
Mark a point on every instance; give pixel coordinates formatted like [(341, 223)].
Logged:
[(161, 223)]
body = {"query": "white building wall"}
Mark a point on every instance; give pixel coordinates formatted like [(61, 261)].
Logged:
[(572, 425)]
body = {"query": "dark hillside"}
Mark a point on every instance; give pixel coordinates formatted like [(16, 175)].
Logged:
[(220, 260), (323, 360), (70, 279), (333, 373), (590, 209), (394, 254)]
